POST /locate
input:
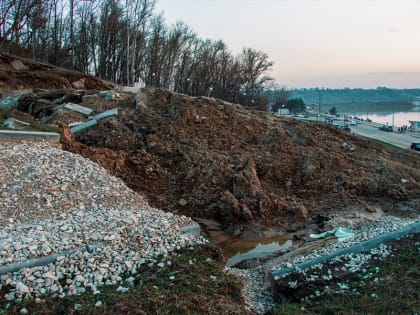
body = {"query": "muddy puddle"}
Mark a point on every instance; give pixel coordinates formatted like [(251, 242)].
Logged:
[(237, 250)]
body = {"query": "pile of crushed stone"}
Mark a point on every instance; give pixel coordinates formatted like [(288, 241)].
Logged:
[(73, 226)]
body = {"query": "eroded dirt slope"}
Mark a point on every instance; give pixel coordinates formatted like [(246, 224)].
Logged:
[(211, 159), (19, 73)]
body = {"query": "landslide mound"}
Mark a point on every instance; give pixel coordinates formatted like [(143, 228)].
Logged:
[(18, 74), (212, 159)]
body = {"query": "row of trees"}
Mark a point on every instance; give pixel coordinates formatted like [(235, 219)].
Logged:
[(125, 41)]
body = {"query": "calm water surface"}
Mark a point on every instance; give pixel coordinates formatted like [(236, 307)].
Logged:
[(237, 250)]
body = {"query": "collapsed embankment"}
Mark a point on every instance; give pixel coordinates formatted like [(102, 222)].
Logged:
[(207, 158)]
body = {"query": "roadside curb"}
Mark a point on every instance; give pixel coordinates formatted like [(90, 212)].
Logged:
[(36, 136)]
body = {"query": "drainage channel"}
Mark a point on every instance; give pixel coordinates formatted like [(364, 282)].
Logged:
[(357, 248)]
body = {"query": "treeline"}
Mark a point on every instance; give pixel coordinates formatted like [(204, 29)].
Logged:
[(349, 96), (125, 41)]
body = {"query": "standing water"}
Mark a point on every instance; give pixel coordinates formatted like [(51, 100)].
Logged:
[(237, 250)]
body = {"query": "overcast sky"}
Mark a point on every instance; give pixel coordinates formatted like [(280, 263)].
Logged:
[(314, 43)]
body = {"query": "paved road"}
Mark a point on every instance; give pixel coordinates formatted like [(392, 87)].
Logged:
[(371, 130), (402, 140)]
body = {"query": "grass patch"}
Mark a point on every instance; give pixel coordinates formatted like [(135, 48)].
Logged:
[(194, 282), (391, 287)]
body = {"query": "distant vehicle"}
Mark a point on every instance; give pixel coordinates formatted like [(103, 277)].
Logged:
[(368, 120), (346, 129), (415, 146), (386, 128), (355, 122)]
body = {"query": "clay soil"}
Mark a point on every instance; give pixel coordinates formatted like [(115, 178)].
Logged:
[(246, 169), (19, 73)]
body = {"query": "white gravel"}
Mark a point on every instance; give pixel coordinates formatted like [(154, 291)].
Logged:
[(53, 201), (257, 291)]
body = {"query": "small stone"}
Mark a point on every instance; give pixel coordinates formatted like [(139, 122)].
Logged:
[(23, 311), (22, 288), (77, 307), (161, 265), (98, 304), (182, 202)]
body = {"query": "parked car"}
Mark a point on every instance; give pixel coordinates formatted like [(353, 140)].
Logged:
[(386, 128), (346, 129), (415, 146)]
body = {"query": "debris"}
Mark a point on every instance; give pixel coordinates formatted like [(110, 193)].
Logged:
[(78, 108), (9, 102), (340, 232), (18, 65), (108, 113), (83, 126), (13, 123), (108, 95)]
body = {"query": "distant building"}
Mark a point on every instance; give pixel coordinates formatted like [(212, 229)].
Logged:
[(415, 125), (283, 111)]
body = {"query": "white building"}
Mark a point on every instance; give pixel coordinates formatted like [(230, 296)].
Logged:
[(415, 125)]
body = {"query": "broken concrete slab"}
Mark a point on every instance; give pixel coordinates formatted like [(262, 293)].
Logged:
[(14, 136), (193, 229), (19, 65), (108, 95), (108, 113), (13, 123), (83, 126), (75, 123), (78, 108), (10, 101)]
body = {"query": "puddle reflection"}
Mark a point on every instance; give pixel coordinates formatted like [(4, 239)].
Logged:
[(237, 250)]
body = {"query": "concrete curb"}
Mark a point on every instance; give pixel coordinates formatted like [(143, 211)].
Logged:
[(15, 136), (357, 248)]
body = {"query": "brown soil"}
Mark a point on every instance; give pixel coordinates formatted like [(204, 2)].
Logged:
[(18, 73), (211, 159)]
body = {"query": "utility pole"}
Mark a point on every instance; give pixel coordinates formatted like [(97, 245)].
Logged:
[(319, 104)]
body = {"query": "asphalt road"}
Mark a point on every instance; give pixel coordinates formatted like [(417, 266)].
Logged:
[(371, 130), (402, 140)]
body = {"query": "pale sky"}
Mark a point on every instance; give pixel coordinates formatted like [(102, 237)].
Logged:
[(315, 43)]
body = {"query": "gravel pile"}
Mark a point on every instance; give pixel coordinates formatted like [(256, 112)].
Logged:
[(84, 225)]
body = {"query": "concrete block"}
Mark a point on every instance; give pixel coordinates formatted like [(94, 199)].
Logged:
[(108, 113), (78, 108), (108, 95), (15, 136), (83, 126), (193, 229), (19, 65)]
